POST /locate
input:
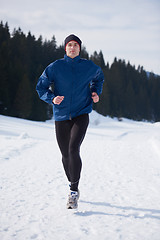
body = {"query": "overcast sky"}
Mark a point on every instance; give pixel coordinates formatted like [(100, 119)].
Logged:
[(126, 29)]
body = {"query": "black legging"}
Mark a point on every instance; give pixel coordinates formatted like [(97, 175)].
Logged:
[(70, 134)]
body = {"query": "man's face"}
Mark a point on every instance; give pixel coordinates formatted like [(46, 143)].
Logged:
[(72, 49)]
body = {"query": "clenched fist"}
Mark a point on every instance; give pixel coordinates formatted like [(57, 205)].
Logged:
[(57, 100), (95, 97)]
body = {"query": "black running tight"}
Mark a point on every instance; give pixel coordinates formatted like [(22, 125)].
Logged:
[(70, 134)]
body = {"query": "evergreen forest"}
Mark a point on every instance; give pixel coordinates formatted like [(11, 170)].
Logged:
[(127, 91)]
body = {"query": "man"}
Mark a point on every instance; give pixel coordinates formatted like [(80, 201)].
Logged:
[(77, 83)]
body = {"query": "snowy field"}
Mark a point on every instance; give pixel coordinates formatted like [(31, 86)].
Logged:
[(120, 182)]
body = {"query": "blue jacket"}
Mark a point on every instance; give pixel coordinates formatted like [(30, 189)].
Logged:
[(75, 79)]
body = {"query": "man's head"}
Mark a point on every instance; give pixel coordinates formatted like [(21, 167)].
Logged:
[(72, 46)]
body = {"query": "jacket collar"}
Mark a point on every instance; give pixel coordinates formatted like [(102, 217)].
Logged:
[(71, 60)]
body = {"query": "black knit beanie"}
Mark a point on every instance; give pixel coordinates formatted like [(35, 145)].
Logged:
[(72, 37)]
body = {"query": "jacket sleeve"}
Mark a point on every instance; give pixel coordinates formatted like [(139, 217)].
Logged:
[(97, 81), (43, 86)]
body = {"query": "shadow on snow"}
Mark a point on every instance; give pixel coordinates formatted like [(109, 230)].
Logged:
[(140, 213)]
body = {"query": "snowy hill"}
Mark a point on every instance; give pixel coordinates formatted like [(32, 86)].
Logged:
[(119, 186)]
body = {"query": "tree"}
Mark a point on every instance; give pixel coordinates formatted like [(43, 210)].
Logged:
[(23, 101), (4, 67), (98, 59)]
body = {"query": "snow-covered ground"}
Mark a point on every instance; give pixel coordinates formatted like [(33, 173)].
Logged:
[(120, 182)]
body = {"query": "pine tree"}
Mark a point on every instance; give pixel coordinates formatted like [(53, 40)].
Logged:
[(98, 59), (23, 101), (5, 99)]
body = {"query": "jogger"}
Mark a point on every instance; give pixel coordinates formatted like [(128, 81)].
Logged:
[(77, 83)]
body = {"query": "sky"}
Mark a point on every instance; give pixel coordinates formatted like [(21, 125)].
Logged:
[(126, 29)]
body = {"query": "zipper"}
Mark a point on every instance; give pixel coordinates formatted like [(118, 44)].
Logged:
[(72, 83)]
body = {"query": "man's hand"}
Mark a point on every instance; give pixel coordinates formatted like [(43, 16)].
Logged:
[(95, 97), (57, 100)]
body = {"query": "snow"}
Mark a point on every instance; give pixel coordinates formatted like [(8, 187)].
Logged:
[(119, 187)]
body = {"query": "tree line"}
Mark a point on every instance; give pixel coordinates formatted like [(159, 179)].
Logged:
[(127, 91)]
